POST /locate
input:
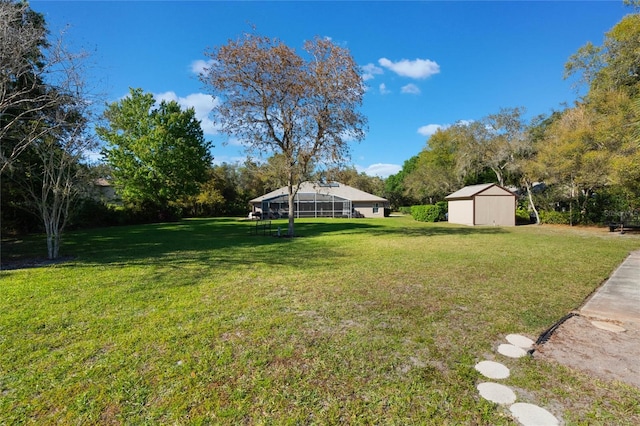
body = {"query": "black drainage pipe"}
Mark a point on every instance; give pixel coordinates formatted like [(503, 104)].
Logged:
[(546, 335)]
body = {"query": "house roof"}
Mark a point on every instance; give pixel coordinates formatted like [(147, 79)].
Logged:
[(473, 190), (334, 188)]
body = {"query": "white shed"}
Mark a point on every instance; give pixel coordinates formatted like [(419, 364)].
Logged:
[(486, 204)]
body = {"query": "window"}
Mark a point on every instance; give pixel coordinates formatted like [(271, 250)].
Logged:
[(375, 208)]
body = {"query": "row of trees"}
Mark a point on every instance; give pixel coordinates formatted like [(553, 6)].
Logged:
[(586, 157)]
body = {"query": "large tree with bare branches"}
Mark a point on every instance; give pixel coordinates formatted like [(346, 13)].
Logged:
[(44, 111), (23, 44), (276, 101)]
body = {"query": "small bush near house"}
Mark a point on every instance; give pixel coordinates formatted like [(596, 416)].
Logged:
[(405, 210), (428, 213), (444, 209)]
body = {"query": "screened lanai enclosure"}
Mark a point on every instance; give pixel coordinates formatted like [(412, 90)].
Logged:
[(319, 200), (308, 205)]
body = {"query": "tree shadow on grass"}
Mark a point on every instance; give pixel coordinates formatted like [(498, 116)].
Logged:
[(224, 242), (417, 229)]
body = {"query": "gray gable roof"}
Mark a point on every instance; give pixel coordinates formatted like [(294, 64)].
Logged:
[(473, 190), (334, 188)]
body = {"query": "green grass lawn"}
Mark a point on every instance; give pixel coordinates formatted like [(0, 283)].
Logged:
[(356, 321)]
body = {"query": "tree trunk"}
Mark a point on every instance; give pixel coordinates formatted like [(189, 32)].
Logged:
[(531, 203), (499, 177), (290, 231)]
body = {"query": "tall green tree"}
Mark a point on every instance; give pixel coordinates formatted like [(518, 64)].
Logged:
[(394, 186), (157, 154), (609, 137), (436, 173), (613, 65), (492, 142), (303, 107)]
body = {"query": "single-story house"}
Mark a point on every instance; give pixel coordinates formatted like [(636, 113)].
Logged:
[(315, 199), (103, 190), (486, 204)]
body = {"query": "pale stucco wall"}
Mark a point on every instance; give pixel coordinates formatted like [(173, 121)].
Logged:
[(365, 209), (461, 211)]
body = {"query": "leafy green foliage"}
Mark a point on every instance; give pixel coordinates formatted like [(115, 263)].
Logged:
[(552, 217), (158, 155), (522, 216), (429, 212), (394, 186)]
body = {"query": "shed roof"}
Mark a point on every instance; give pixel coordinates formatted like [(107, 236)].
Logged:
[(473, 190), (334, 188)]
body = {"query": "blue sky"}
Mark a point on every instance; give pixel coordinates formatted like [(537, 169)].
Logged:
[(427, 64)]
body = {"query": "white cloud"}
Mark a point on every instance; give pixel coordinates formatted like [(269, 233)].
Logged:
[(234, 142), (199, 66), (380, 169), (370, 71), (228, 159), (200, 102), (430, 129), (419, 68), (411, 89), (383, 89)]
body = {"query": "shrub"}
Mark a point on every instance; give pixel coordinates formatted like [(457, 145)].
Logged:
[(91, 213), (427, 213), (405, 210), (552, 217), (444, 209), (523, 217)]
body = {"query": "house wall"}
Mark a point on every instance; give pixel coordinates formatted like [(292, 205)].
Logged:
[(497, 210), (366, 209), (461, 211)]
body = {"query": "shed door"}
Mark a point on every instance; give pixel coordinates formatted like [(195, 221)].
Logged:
[(495, 210)]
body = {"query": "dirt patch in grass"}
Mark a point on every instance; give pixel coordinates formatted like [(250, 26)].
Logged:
[(604, 354)]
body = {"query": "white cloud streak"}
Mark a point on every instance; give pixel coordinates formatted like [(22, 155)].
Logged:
[(418, 68), (430, 129), (411, 89), (383, 89), (370, 71), (200, 102), (199, 66), (380, 169)]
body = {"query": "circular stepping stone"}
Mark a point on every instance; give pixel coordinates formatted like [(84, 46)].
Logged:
[(511, 351), (608, 326), (492, 370), (495, 392), (520, 341), (532, 415)]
